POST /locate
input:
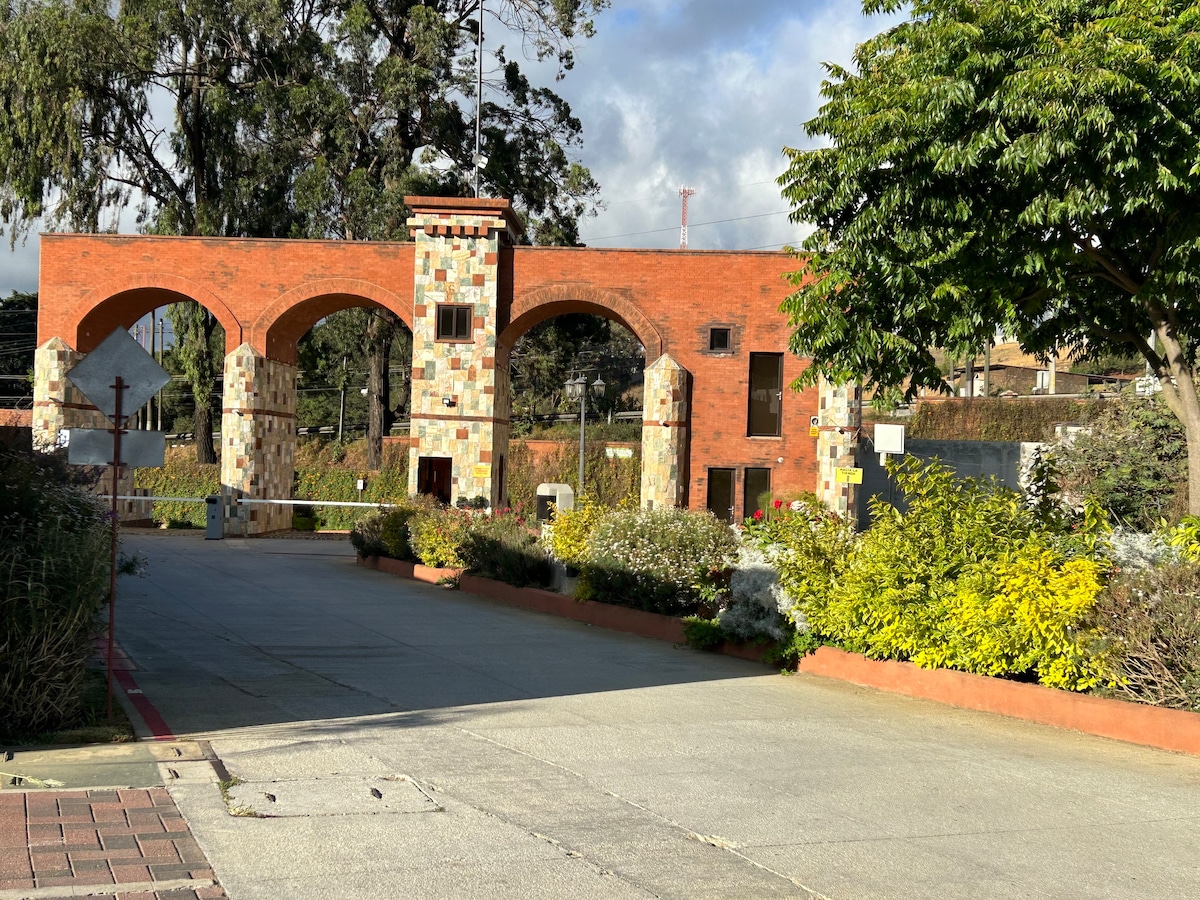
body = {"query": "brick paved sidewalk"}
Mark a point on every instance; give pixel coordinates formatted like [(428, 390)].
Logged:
[(127, 844)]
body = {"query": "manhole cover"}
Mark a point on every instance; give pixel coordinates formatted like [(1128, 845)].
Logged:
[(329, 796)]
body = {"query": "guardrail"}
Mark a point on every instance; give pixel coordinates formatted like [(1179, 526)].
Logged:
[(246, 500)]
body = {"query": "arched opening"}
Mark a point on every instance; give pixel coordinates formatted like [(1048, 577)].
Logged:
[(353, 405), (573, 374), (188, 334)]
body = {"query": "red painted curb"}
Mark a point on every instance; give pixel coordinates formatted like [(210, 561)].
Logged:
[(1136, 723), (159, 729)]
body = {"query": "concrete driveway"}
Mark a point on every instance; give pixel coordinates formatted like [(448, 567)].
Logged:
[(401, 740)]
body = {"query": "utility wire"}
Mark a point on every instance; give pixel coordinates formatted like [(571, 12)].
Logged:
[(673, 228)]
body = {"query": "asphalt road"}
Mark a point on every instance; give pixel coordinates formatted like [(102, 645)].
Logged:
[(400, 740)]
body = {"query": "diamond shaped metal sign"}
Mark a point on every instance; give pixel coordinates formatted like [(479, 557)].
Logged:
[(119, 355)]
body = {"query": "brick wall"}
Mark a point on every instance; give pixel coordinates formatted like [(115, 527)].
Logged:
[(267, 293)]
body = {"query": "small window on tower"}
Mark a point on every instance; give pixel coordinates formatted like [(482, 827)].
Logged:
[(719, 340), (453, 322)]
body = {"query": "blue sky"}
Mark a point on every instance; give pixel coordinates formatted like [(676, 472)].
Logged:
[(705, 93)]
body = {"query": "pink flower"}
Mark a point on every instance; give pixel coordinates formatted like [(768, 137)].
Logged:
[(778, 503), (757, 514)]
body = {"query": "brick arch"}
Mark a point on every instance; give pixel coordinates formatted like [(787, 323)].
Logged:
[(277, 330), (545, 303), (121, 302)]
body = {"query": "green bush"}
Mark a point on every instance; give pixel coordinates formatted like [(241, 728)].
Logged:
[(54, 565), (671, 561), (367, 535), (1147, 634), (809, 547), (437, 537), (570, 529), (1132, 463), (995, 418), (181, 476), (608, 481), (503, 547), (969, 578)]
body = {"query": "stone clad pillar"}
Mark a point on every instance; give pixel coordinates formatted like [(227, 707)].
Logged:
[(837, 446), (460, 403), (258, 441), (57, 404), (664, 434)]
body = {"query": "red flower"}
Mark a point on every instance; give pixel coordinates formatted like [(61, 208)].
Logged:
[(757, 514), (778, 503)]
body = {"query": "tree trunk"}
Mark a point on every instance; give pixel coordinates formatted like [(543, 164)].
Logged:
[(380, 333), (1178, 379), (206, 451), (202, 425)]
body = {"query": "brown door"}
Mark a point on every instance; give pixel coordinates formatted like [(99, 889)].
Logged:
[(433, 477)]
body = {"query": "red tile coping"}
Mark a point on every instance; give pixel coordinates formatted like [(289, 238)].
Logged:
[(1122, 720)]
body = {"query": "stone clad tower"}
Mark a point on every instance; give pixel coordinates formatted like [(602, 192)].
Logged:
[(460, 391)]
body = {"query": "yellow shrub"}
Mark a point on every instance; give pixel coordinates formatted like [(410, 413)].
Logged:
[(1024, 615), (570, 530)]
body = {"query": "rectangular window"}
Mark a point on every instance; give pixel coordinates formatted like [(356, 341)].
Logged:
[(765, 418), (454, 322), (720, 493), (719, 340), (756, 491)]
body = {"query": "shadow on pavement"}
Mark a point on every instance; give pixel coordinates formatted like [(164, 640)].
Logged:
[(238, 633)]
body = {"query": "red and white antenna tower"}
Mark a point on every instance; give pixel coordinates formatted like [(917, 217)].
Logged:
[(684, 192)]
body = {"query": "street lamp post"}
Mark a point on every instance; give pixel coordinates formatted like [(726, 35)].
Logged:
[(578, 387)]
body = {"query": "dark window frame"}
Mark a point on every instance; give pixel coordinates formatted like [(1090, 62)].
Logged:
[(726, 332), (733, 486), (464, 314), (756, 412), (749, 500)]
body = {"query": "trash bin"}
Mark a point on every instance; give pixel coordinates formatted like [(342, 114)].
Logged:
[(561, 496), (213, 527)]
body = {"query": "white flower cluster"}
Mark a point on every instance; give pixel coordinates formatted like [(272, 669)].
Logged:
[(1134, 551)]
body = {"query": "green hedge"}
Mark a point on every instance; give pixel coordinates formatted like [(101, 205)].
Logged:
[(994, 418), (54, 568)]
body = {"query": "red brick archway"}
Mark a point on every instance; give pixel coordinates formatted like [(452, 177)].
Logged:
[(545, 303), (284, 322), (119, 303), (705, 318)]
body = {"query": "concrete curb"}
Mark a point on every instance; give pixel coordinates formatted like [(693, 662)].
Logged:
[(1122, 720)]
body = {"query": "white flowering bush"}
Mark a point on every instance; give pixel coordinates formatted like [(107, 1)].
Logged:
[(757, 604), (671, 561), (1134, 551)]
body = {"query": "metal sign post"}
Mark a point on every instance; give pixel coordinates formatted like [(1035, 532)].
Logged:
[(118, 377)]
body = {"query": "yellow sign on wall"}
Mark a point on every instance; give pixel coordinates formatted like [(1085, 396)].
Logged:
[(481, 470), (849, 476)]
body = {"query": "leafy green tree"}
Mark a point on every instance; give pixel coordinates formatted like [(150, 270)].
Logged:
[(1024, 166), (304, 119), (335, 361), (18, 340), (384, 117)]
